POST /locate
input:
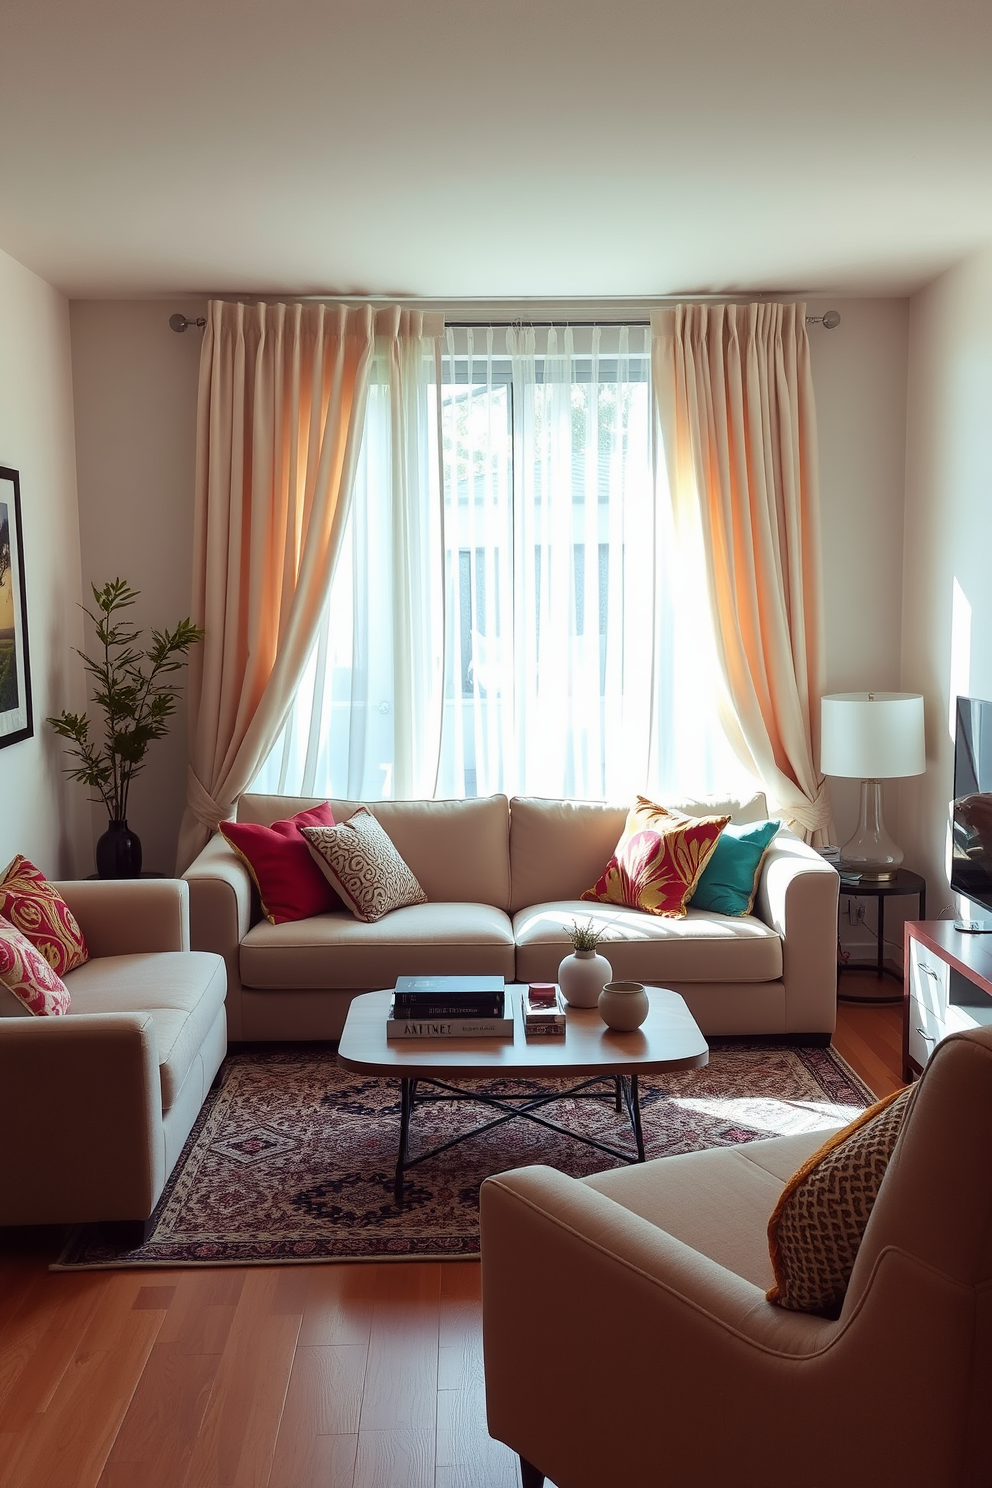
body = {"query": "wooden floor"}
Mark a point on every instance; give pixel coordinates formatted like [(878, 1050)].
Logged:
[(363, 1376)]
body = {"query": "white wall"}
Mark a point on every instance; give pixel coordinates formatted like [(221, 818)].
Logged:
[(135, 384), (947, 588), (41, 813)]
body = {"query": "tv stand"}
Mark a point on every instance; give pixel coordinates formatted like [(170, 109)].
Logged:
[(947, 987)]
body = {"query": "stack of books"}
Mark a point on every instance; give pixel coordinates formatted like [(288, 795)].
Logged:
[(543, 1011), (450, 1007)]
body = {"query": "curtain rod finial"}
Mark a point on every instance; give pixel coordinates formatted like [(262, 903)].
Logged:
[(180, 323)]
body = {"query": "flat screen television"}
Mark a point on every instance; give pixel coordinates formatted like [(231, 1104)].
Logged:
[(971, 811)]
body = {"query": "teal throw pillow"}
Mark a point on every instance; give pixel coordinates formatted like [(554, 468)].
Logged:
[(728, 882)]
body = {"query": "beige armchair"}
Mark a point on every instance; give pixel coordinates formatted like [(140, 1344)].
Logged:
[(628, 1339), (95, 1106)]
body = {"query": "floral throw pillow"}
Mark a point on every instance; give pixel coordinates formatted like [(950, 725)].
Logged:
[(37, 909), (26, 973), (658, 860), (363, 866)]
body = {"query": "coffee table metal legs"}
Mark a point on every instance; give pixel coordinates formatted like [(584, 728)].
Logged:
[(624, 1094)]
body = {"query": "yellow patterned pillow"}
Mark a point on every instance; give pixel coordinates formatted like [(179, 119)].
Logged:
[(658, 860), (817, 1225)]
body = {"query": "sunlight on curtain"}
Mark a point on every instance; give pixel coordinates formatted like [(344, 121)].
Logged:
[(574, 640), (366, 721), (533, 630)]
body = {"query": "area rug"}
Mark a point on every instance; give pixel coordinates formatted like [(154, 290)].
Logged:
[(292, 1158)]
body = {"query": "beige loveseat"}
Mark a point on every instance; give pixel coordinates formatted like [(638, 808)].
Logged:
[(503, 879), (95, 1106)]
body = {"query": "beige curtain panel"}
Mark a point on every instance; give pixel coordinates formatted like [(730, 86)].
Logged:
[(734, 402), (279, 426)]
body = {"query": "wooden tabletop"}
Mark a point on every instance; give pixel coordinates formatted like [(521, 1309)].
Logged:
[(668, 1039)]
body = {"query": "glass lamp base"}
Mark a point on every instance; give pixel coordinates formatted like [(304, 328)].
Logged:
[(871, 853)]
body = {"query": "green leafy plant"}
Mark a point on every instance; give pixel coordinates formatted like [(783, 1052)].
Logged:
[(584, 937), (134, 686)]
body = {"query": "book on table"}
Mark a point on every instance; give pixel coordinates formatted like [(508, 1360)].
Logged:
[(421, 998), (451, 1025), (543, 1010)]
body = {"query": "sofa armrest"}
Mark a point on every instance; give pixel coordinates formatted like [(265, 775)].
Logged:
[(797, 897), (128, 916), (81, 1106), (220, 914)]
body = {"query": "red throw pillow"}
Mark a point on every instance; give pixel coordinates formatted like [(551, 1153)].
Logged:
[(289, 883), (36, 908)]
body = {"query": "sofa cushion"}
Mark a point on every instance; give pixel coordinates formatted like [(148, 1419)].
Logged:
[(36, 908), (558, 848), (658, 860), (457, 850), (31, 984), (363, 867), (716, 1201), (701, 947), (183, 991), (338, 951)]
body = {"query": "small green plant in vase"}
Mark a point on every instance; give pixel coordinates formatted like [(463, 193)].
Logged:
[(583, 973), (134, 685)]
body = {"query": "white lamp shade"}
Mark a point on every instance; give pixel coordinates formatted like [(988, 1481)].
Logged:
[(872, 735)]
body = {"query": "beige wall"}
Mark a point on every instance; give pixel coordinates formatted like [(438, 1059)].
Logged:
[(42, 814), (135, 392), (947, 596)]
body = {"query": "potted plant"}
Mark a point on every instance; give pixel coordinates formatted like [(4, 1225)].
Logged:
[(583, 973), (135, 687)]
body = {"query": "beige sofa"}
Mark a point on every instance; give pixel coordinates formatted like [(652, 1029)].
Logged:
[(503, 880), (636, 1298), (95, 1106)]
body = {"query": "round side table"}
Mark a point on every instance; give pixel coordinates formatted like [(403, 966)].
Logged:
[(881, 889)]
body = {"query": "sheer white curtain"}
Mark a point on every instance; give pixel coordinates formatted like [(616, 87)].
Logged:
[(576, 663), (366, 721), (510, 611)]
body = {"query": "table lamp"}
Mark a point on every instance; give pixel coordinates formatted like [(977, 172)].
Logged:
[(871, 737)]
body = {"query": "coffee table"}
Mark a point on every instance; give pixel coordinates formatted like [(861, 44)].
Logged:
[(668, 1040)]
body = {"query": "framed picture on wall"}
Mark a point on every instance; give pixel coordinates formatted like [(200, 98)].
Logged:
[(15, 670)]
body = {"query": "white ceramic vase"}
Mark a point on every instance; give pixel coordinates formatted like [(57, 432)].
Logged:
[(623, 1006), (582, 975)]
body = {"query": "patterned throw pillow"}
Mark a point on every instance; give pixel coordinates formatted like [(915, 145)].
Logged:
[(729, 881), (37, 909), (364, 867), (26, 973), (817, 1225), (658, 860), (289, 884)]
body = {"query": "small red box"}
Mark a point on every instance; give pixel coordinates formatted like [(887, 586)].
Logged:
[(541, 994)]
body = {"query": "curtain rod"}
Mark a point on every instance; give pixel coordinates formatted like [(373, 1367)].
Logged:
[(829, 319)]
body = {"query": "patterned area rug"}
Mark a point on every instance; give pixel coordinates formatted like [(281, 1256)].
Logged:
[(292, 1158)]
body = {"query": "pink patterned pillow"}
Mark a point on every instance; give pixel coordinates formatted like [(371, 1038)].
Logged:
[(37, 909), (25, 972)]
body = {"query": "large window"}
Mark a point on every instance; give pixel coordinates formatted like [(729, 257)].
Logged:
[(515, 614)]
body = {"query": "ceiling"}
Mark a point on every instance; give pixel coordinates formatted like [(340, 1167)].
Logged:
[(530, 148)]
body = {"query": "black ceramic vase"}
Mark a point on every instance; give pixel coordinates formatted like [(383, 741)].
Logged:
[(118, 852)]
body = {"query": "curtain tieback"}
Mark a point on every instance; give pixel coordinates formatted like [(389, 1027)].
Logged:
[(810, 815), (202, 804)]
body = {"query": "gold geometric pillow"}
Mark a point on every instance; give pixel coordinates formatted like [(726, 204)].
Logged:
[(817, 1225), (363, 867)]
